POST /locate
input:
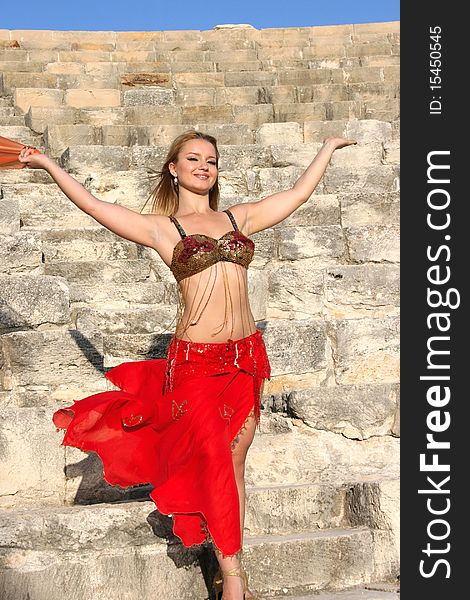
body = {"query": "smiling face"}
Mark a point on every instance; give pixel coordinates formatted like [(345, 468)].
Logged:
[(196, 167)]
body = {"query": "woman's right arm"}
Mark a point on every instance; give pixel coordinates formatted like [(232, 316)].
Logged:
[(122, 221)]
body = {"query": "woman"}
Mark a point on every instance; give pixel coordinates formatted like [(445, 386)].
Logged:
[(185, 423)]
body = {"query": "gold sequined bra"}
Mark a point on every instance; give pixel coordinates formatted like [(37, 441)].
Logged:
[(196, 252)]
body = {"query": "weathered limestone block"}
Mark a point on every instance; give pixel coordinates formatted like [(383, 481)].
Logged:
[(392, 152), (31, 300), (333, 93), (253, 116), (377, 179), (317, 131), (23, 98), (324, 243), (89, 272), (376, 505), (306, 111), (159, 134), (14, 80), (286, 155), (123, 135), (258, 292), (296, 291), (279, 94), (19, 66), (41, 367), (324, 48), (86, 56), (38, 118), (366, 350), (354, 291), (279, 133), (104, 116), (392, 73), (320, 209), (92, 98), (369, 208), (248, 78), (271, 180), (65, 68), (198, 80), (229, 133), (148, 97), (21, 252), (375, 91), (266, 242), (344, 109), (278, 510), (373, 243), (32, 461), (129, 188), (369, 131), (227, 65), (86, 244), (244, 157), (234, 183), (311, 77), (118, 296), (143, 75), (122, 347), (60, 137), (9, 215), (153, 115), (206, 114), (135, 320), (383, 109), (379, 48), (363, 75), (307, 455), (144, 157), (296, 346), (111, 158), (88, 82), (355, 411), (358, 156), (197, 97)]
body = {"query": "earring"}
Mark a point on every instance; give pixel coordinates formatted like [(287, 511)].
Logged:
[(175, 180)]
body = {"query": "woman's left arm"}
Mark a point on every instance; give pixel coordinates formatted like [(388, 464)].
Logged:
[(275, 208)]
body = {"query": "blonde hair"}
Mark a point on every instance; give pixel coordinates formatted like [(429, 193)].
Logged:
[(164, 196)]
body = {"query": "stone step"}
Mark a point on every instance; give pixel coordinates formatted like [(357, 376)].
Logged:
[(79, 158), (82, 273), (22, 134), (300, 563), (274, 510), (6, 111), (85, 243), (13, 120)]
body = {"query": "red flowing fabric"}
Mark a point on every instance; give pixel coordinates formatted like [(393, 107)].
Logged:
[(172, 424), (9, 152)]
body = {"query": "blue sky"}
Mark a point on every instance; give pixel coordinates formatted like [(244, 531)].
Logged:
[(158, 15)]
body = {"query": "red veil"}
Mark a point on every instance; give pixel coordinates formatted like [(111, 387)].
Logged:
[(9, 152)]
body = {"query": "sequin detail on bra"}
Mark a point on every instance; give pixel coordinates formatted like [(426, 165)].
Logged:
[(196, 252)]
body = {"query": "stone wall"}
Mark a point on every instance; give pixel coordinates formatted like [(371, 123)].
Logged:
[(75, 299)]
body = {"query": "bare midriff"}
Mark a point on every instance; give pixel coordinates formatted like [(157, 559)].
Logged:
[(214, 305)]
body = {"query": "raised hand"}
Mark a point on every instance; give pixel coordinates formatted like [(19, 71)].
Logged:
[(32, 158), (338, 142)]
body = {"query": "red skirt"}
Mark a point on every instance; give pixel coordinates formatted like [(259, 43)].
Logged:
[(172, 424)]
